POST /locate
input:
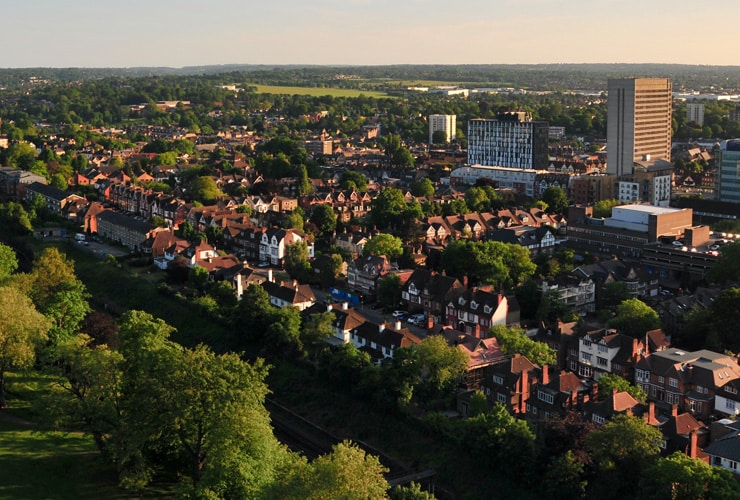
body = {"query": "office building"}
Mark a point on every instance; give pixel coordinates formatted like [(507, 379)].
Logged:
[(638, 122), (445, 123), (512, 140), (729, 171), (695, 112)]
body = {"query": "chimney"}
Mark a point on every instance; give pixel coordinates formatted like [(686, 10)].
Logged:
[(381, 326), (397, 325), (328, 307), (545, 375), (692, 444), (651, 413), (345, 305), (674, 410), (465, 281), (430, 322), (269, 275), (523, 392)]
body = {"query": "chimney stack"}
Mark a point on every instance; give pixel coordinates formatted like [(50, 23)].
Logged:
[(269, 275), (397, 324), (692, 444), (545, 375), (674, 410), (345, 306), (381, 326)]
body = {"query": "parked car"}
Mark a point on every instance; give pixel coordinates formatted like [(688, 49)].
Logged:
[(417, 319), (399, 313)]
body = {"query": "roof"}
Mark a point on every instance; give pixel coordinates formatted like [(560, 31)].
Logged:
[(292, 294), (118, 219), (727, 447)]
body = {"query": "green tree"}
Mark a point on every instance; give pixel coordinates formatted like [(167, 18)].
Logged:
[(22, 330), (614, 293), (317, 328), (556, 199), (348, 472), (303, 184), (439, 137), (324, 218), (514, 340), (389, 291), (727, 266), (296, 260), (682, 478), (564, 478), (351, 179), (8, 262), (387, 207), (205, 190), (441, 366), (609, 381), (59, 181), (88, 392), (422, 187), (635, 318), (384, 244), (67, 308), (283, 333), (603, 208)]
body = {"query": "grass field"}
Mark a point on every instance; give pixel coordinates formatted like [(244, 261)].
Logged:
[(272, 89)]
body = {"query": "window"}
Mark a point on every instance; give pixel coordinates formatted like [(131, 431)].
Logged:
[(573, 366), (598, 419), (501, 398), (586, 357), (547, 398), (661, 380), (730, 405), (585, 371), (673, 382), (601, 361), (729, 389), (699, 389), (603, 348), (732, 464), (498, 379), (586, 343)]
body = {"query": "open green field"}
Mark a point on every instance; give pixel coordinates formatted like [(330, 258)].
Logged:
[(273, 89)]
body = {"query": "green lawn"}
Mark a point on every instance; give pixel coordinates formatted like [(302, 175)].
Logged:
[(312, 91)]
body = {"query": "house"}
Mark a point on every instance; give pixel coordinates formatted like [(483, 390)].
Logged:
[(123, 229), (476, 310), (346, 319), (353, 242), (289, 294), (481, 353), (724, 449), (199, 252), (14, 183), (160, 240), (691, 380), (509, 383), (577, 293), (618, 402), (606, 351), (561, 338), (56, 200), (381, 341), (363, 273), (555, 396), (275, 240), (682, 432)]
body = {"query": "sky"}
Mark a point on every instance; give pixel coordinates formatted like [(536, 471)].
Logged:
[(133, 33)]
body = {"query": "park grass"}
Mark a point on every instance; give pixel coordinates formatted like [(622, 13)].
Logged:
[(317, 91)]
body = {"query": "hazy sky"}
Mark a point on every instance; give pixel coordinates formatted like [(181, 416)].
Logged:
[(100, 33)]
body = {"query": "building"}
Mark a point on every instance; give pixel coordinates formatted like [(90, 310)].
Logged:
[(513, 140), (590, 188), (638, 122), (445, 123), (695, 112), (729, 171), (649, 182), (519, 180)]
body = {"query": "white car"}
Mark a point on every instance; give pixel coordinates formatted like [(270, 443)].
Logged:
[(677, 243)]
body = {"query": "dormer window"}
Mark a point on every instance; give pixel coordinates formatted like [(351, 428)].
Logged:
[(473, 305), (487, 309), (461, 301)]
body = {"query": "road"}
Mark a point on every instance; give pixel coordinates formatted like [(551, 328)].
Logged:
[(374, 315)]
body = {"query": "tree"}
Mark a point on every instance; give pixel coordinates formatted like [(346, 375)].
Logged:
[(59, 181), (283, 333), (635, 318), (67, 308), (387, 206), (423, 187), (351, 179), (205, 190), (389, 291), (622, 449), (296, 260), (441, 366), (88, 395), (303, 184), (683, 478), (727, 266), (563, 478), (603, 208), (514, 340), (614, 293), (348, 472), (22, 330), (316, 329), (556, 199), (8, 262), (439, 137), (609, 381), (324, 218), (384, 244)]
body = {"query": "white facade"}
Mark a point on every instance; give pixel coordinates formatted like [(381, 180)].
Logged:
[(695, 112), (447, 123), (516, 179)]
